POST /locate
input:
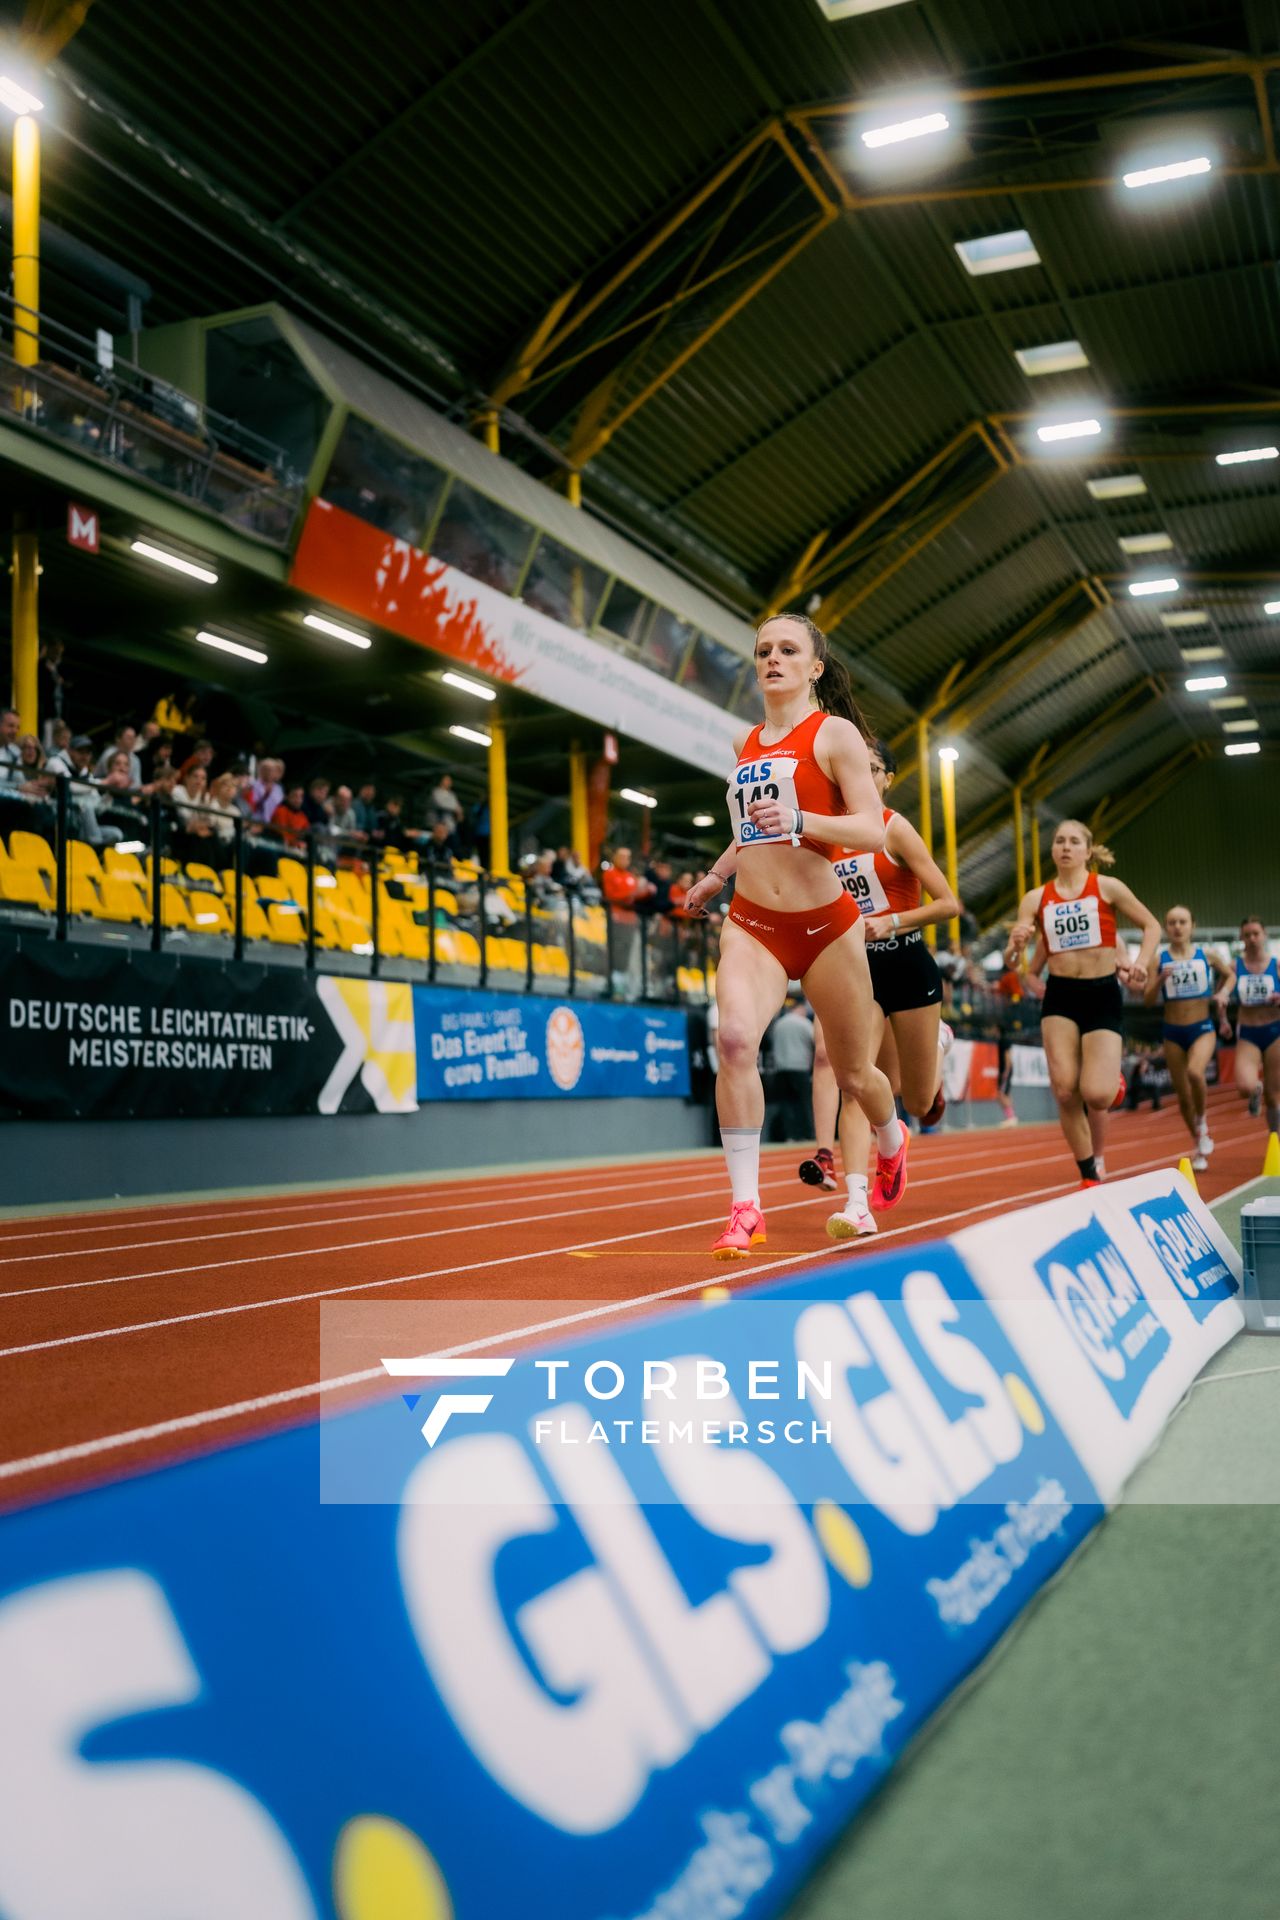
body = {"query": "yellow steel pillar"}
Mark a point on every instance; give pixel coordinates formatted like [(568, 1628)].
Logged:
[(947, 781), (1019, 844), (573, 487), (579, 818), (926, 806), (499, 828), (486, 422), (26, 351), (1035, 845)]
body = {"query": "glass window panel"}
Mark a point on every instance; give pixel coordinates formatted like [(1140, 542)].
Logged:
[(748, 702), (712, 670), (563, 585), (481, 538), (381, 481), (626, 614), (667, 642)]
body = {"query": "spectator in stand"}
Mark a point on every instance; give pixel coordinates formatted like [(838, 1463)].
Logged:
[(541, 882), (624, 890), (30, 757), (190, 797), (394, 832), (344, 821), (679, 889), (445, 804), (317, 805), (480, 830), (116, 807), (75, 760), (201, 755), (57, 741), (222, 819), (53, 684), (568, 871), (621, 885), (155, 752), (10, 758), (790, 1045), (368, 813), (658, 899), (126, 742), (438, 847), (289, 819), (266, 792)]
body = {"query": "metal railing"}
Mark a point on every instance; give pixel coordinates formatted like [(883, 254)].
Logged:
[(138, 424), (137, 865)]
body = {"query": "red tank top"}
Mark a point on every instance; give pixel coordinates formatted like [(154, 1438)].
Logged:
[(786, 771), (1069, 926), (877, 882)]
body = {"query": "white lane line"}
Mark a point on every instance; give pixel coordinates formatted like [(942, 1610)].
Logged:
[(185, 1423), (403, 1239), (545, 1253), (993, 1154)]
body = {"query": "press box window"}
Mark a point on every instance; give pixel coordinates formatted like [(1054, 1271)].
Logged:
[(626, 615), (383, 483), (563, 585), (712, 670), (481, 538), (667, 643)]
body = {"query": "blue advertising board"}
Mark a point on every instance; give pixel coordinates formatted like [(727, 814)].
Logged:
[(568, 1674), (494, 1046)]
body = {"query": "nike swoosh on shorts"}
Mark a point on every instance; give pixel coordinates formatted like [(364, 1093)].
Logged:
[(816, 929)]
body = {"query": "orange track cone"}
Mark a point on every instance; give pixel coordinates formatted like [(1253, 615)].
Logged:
[(1188, 1173), (1271, 1164)]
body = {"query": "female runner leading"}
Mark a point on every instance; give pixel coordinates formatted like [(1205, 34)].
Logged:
[(1185, 980), (1080, 1020), (886, 888), (1256, 985), (801, 791)]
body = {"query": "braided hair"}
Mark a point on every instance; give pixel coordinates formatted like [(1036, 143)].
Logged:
[(833, 689)]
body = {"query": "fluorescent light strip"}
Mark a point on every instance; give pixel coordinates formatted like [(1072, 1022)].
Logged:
[(1145, 543), (1206, 683), (1062, 356), (704, 819), (1194, 656), (1140, 587), (231, 646), (1234, 747), (1117, 486), (1272, 607), (1246, 454), (1191, 617), (18, 99), (174, 560), (1176, 170), (897, 130), (331, 627), (460, 681), (637, 798), (1239, 726), (998, 252), (1227, 701), (470, 733), (948, 753), (1069, 430)]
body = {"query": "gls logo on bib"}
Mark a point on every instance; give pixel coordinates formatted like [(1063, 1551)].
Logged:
[(1100, 1299)]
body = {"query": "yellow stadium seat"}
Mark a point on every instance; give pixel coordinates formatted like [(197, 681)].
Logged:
[(227, 882), (354, 889), (29, 850), (413, 941), (24, 886), (446, 945), (203, 876), (123, 866), (284, 925), (272, 887), (256, 926), (209, 913), (123, 900), (82, 859), (327, 888), (82, 896), (293, 875), (468, 949), (446, 901)]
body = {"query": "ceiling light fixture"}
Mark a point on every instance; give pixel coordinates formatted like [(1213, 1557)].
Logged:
[(1234, 747), (1246, 454), (998, 252), (1228, 700), (1272, 607), (1145, 543), (1195, 656), (477, 738), (1207, 683), (174, 560), (1140, 587), (461, 682), (704, 819), (1061, 356), (1175, 170), (17, 98), (1190, 617), (1068, 430), (331, 627), (1239, 726), (637, 798), (890, 135), (1116, 486), (237, 647)]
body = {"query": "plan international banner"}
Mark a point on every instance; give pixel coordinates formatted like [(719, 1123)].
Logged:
[(534, 1648), (92, 1033)]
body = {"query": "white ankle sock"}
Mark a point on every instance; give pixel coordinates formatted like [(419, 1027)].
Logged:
[(889, 1137), (857, 1185), (742, 1156)]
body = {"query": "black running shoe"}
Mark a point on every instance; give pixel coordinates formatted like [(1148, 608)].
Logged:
[(820, 1171)]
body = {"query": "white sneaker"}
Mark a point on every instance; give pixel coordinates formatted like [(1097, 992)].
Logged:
[(1199, 1164), (855, 1221), (1010, 1120), (1101, 1165), (1206, 1141)]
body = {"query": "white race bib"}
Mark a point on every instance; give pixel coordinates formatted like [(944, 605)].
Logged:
[(768, 777), (1254, 989), (1071, 924), (1186, 979), (857, 875)]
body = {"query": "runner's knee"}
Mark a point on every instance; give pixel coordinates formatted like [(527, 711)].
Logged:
[(738, 1043)]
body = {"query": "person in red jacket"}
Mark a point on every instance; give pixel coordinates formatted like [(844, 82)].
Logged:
[(289, 820)]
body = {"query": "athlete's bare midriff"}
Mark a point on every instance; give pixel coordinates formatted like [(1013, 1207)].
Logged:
[(1091, 963), (788, 879), (1185, 1013)]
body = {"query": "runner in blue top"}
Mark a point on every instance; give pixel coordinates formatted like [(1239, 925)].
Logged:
[(1184, 979), (1256, 985)]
